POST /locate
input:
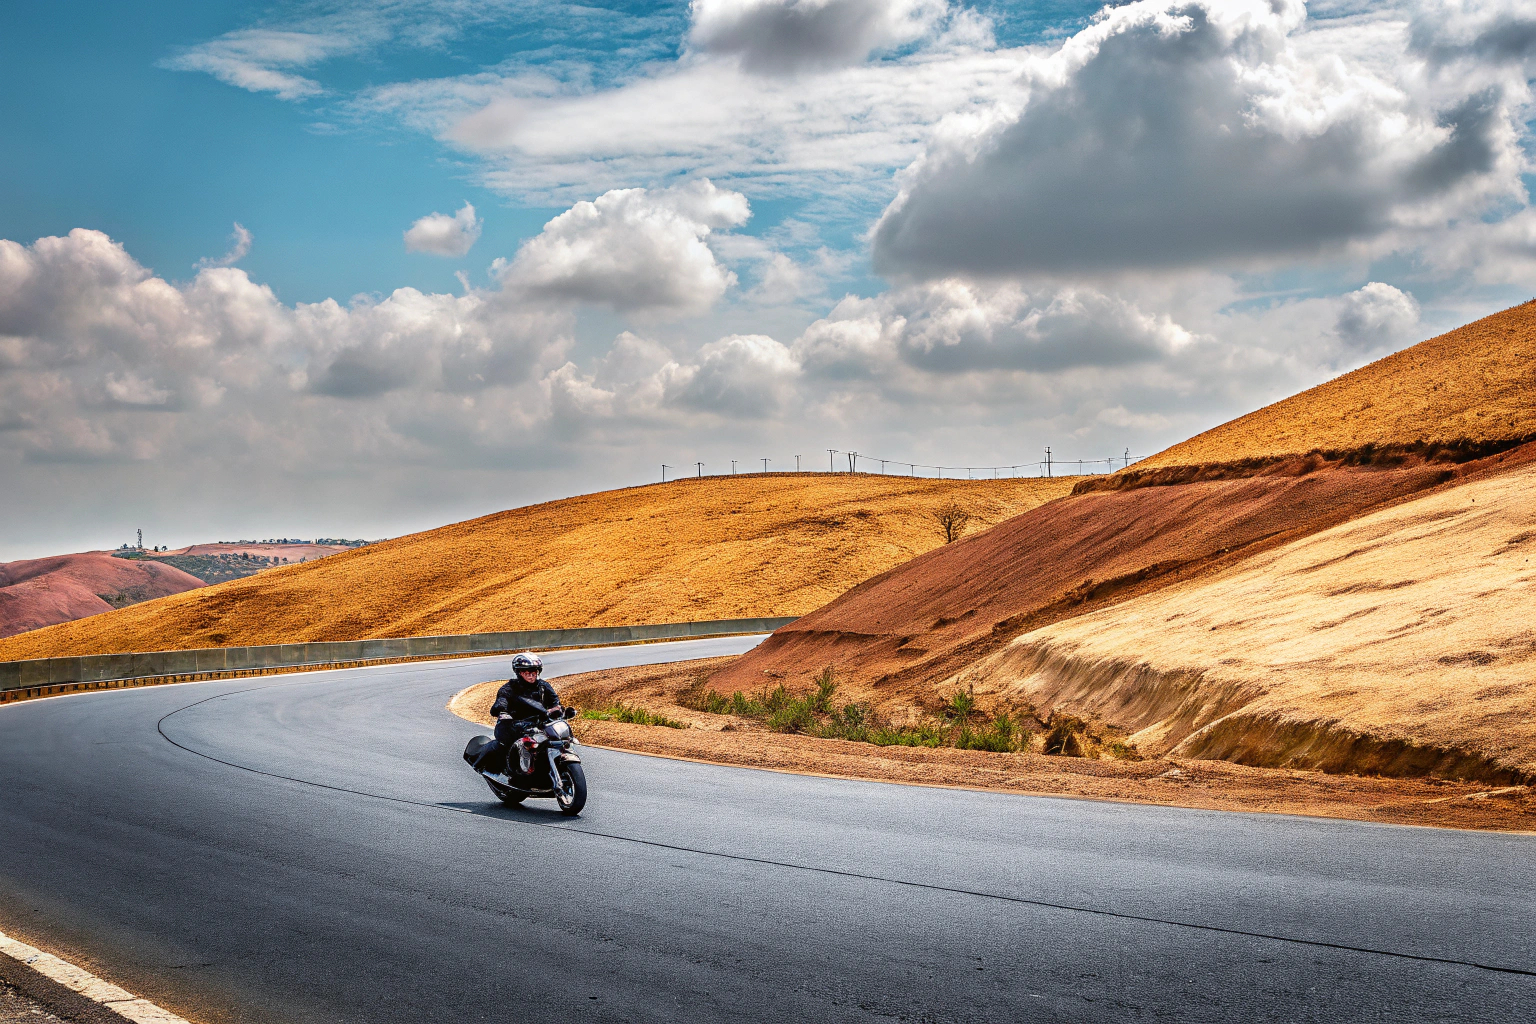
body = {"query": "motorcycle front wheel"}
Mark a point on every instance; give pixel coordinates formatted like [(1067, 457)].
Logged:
[(571, 794)]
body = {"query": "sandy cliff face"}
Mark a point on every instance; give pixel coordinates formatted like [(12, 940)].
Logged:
[(1402, 642), (907, 629)]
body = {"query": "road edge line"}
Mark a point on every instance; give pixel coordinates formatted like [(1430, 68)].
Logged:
[(78, 980)]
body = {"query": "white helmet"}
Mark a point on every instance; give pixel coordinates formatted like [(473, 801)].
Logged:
[(526, 661)]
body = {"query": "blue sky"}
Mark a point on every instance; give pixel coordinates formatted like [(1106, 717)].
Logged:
[(99, 132), (938, 231)]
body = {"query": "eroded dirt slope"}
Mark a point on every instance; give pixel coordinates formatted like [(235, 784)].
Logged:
[(39, 592), (722, 547), (1476, 383), (901, 633), (1400, 643)]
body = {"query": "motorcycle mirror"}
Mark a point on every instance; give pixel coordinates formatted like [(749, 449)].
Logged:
[(570, 712)]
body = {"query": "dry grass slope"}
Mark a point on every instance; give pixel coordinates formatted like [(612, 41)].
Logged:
[(1401, 643), (1476, 383), (923, 620), (723, 547)]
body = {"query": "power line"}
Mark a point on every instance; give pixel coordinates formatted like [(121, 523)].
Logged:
[(1046, 467)]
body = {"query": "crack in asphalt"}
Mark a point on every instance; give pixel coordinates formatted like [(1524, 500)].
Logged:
[(789, 865)]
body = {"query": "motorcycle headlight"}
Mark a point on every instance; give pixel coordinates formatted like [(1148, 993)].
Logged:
[(559, 731)]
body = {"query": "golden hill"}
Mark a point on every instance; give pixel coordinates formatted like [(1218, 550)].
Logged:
[(1398, 643), (721, 547), (1476, 383)]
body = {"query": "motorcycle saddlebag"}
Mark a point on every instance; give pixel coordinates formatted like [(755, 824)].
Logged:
[(476, 747)]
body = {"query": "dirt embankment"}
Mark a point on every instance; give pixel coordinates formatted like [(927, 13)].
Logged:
[(1472, 385), (40, 592), (721, 547), (1174, 781), (1401, 643), (901, 633)]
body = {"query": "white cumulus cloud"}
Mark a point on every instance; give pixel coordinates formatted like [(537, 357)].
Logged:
[(635, 250), (442, 235), (1199, 131), (1377, 316), (100, 358)]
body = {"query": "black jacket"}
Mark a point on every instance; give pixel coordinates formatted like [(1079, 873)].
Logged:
[(523, 701)]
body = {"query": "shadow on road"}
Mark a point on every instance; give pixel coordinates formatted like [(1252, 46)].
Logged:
[(490, 810)]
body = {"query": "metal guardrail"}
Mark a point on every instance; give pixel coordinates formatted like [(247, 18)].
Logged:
[(95, 668)]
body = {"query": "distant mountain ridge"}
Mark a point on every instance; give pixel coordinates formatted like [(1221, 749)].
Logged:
[(38, 592)]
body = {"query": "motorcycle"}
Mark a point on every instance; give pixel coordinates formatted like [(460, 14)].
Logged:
[(552, 767)]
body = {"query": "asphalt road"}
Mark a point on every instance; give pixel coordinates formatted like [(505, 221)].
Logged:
[(311, 848)]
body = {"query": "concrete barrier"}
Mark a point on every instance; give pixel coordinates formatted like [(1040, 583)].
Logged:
[(97, 668)]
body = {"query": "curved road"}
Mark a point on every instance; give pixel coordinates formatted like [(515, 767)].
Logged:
[(311, 848)]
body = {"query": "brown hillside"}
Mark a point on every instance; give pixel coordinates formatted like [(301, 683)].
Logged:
[(721, 547), (1400, 643), (39, 592), (1476, 383), (905, 631)]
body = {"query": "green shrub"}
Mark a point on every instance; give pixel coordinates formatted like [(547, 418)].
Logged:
[(826, 685), (796, 716), (713, 703), (814, 714), (961, 705), (1000, 736), (618, 712)]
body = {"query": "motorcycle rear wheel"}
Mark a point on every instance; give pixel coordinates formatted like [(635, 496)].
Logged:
[(571, 794), (507, 796)]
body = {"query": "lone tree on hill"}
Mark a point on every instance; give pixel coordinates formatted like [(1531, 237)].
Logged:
[(952, 520)]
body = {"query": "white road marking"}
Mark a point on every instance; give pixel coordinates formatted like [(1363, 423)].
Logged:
[(120, 1001)]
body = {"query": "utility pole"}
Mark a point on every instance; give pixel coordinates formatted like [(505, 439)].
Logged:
[(664, 468), (831, 465), (701, 469), (797, 463), (1047, 460), (765, 466), (882, 467), (911, 469), (1127, 458), (853, 462), (733, 467)]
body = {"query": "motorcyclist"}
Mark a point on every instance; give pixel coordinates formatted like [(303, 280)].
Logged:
[(522, 701)]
